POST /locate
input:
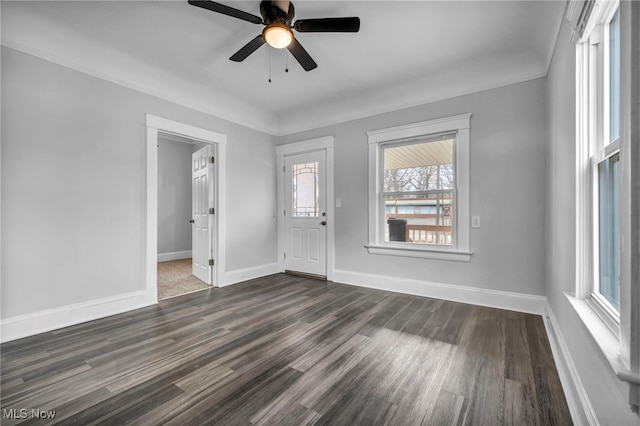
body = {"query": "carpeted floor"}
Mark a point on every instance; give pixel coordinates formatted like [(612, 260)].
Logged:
[(174, 279)]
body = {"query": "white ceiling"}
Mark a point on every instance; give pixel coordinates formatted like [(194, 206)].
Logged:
[(406, 53)]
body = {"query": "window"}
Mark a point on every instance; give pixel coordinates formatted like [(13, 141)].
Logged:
[(600, 144), (606, 234), (305, 190), (419, 189), (607, 277), (614, 77)]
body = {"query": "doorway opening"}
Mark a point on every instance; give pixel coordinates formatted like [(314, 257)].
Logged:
[(175, 279), (181, 182), (185, 208)]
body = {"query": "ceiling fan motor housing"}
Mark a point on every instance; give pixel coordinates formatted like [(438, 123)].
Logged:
[(272, 14)]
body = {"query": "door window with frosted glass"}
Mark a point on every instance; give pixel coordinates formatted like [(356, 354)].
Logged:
[(305, 189)]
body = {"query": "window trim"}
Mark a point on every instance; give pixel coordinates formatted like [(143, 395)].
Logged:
[(459, 251), (616, 339), (593, 147), (602, 149)]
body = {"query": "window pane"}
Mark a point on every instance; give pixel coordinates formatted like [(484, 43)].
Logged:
[(422, 219), (305, 190), (419, 166), (609, 230), (614, 77)]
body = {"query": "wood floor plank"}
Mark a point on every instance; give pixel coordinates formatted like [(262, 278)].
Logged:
[(451, 410), (417, 393), (289, 350), (519, 403), (376, 411), (295, 414)]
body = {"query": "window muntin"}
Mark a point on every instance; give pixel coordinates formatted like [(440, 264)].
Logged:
[(418, 190)]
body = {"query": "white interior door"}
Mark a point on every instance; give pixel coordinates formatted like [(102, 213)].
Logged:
[(202, 218), (305, 213)]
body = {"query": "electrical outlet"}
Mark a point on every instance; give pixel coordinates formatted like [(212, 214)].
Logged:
[(475, 221)]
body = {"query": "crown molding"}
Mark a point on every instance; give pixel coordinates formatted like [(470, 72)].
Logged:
[(263, 123), (337, 113), (307, 119)]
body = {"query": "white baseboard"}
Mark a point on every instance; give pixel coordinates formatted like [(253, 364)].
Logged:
[(51, 319), (239, 275), (476, 296), (582, 412), (174, 255)]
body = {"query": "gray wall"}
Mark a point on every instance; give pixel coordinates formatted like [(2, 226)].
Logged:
[(73, 186), (507, 178), (174, 196), (607, 394)]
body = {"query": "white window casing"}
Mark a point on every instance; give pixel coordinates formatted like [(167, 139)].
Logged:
[(617, 332), (459, 250)]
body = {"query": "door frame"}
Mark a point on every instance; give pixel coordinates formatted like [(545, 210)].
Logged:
[(156, 125), (326, 144)]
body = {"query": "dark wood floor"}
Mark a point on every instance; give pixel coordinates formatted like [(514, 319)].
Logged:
[(289, 350)]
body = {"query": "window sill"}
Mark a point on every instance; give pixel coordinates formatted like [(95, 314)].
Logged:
[(606, 340), (458, 256)]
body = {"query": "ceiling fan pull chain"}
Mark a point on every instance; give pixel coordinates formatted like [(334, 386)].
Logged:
[(269, 66), (286, 66)]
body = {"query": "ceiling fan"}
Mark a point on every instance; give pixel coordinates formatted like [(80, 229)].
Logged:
[(277, 16)]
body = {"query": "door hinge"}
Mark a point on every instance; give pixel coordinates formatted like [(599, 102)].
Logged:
[(211, 262), (285, 212), (212, 160), (283, 169), (285, 256), (212, 210)]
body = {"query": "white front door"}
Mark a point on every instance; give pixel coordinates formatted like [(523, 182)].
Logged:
[(202, 213), (305, 213)]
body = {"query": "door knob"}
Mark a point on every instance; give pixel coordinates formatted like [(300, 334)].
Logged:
[(323, 223), (192, 221)]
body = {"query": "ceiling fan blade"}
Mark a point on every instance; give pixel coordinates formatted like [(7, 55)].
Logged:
[(226, 10), (301, 55), (248, 49), (328, 25)]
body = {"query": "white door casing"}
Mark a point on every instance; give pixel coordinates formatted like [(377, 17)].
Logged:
[(202, 215), (305, 213), (155, 126)]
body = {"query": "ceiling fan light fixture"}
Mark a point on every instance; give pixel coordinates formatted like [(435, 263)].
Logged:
[(278, 36), (277, 16)]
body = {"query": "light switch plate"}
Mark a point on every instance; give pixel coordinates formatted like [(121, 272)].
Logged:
[(338, 202), (475, 221)]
